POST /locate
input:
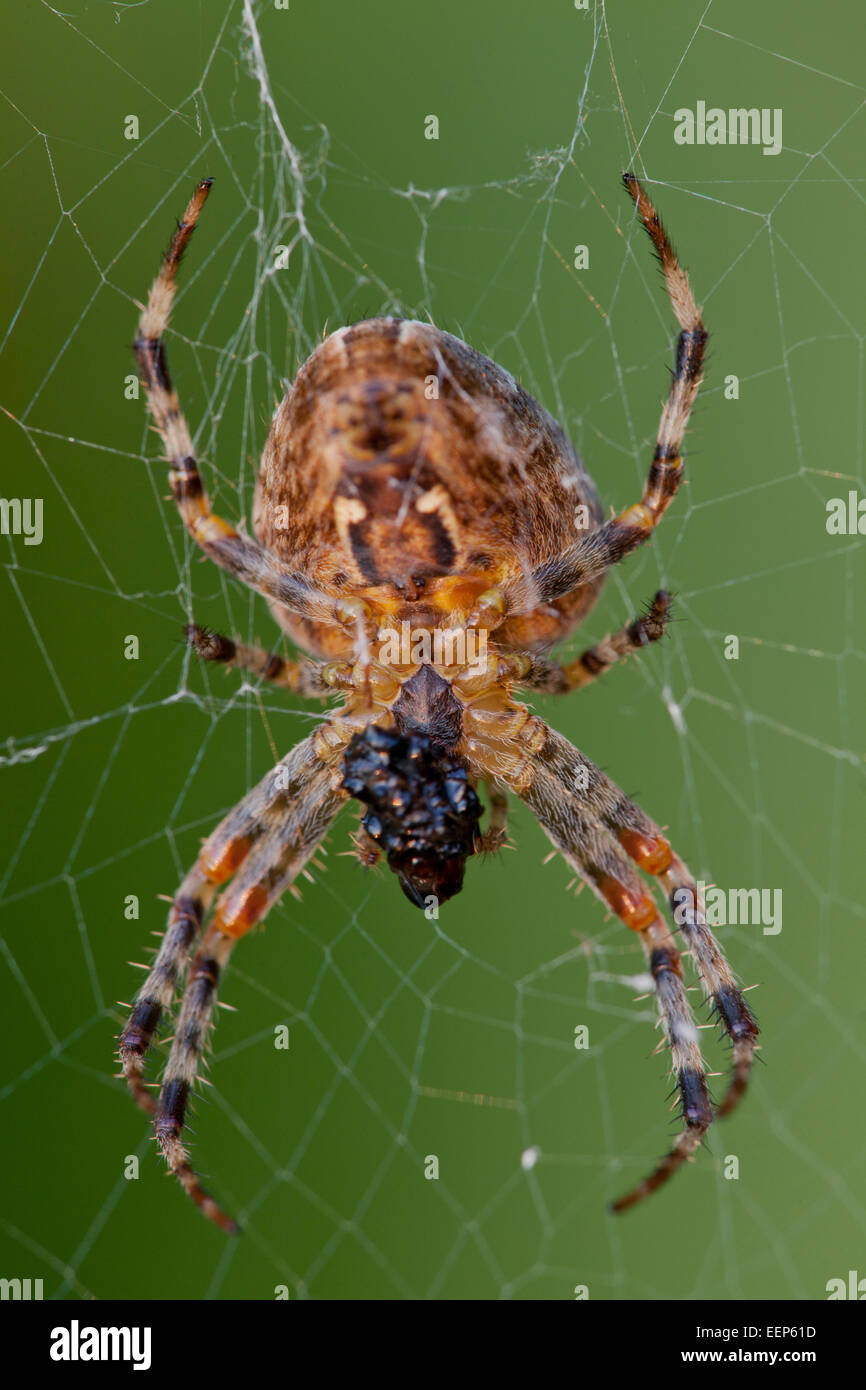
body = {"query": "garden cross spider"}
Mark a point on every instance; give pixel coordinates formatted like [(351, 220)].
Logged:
[(408, 483)]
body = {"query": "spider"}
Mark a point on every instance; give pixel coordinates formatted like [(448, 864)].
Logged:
[(408, 483)]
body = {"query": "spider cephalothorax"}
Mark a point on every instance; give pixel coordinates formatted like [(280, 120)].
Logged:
[(425, 529), (423, 814)]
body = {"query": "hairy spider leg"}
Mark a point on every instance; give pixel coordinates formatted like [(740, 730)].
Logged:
[(158, 991), (265, 843), (496, 831), (234, 552), (647, 846), (600, 549), (300, 677), (557, 678), (595, 826), (220, 855), (592, 852)]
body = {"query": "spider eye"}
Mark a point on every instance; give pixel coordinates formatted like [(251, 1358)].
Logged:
[(423, 812)]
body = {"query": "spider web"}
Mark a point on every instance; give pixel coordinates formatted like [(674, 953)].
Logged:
[(412, 1039)]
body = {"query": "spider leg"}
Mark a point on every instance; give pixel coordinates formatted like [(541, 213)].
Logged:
[(295, 829), (496, 829), (221, 854), (646, 845), (599, 831), (364, 847), (557, 678), (665, 966), (221, 542), (728, 1002), (300, 677), (593, 853), (195, 1019), (604, 547), (158, 991)]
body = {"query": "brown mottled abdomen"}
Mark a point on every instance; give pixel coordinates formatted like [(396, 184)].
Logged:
[(406, 468)]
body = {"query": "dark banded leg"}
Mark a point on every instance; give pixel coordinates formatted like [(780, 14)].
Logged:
[(602, 834), (650, 850), (567, 815), (687, 1065), (221, 854), (666, 468), (186, 1051), (238, 554), (300, 677), (728, 1003), (645, 844), (592, 851), (158, 991), (265, 865), (555, 678), (269, 805), (598, 550)]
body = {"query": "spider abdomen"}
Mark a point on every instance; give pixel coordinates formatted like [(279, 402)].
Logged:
[(391, 471)]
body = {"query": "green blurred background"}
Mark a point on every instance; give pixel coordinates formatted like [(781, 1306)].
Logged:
[(410, 1038)]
